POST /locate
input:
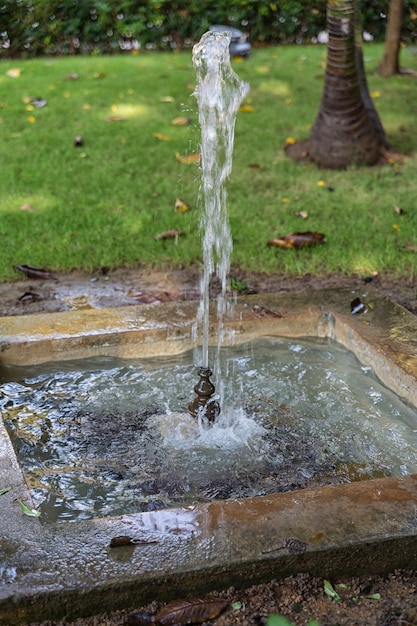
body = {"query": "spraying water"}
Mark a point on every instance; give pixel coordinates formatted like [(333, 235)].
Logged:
[(219, 92)]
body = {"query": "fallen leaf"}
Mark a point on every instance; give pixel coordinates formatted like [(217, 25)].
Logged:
[(194, 157), (302, 214), (148, 298), (161, 136), (290, 140), (167, 99), (5, 490), (115, 118), (410, 248), (14, 72), (29, 296), (256, 166), (321, 183), (27, 510), (195, 611), (398, 210), (72, 76), (78, 141), (27, 207), (124, 540), (99, 74), (181, 206), (31, 119), (298, 240), (246, 108), (169, 234), (396, 227), (34, 272), (181, 121)]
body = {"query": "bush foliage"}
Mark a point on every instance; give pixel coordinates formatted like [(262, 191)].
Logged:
[(37, 27)]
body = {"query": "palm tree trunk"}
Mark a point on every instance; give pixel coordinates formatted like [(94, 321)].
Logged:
[(390, 63), (343, 132)]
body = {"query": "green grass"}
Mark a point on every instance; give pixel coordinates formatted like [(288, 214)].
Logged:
[(102, 204)]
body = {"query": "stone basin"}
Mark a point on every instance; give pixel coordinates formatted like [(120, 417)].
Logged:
[(69, 569)]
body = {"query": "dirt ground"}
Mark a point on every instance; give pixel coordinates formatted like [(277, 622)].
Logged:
[(389, 600)]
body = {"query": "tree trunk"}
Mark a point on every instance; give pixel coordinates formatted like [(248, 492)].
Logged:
[(390, 63), (343, 132)]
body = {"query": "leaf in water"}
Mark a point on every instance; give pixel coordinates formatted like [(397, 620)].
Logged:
[(5, 490), (161, 136), (181, 121), (194, 157), (169, 234), (195, 611), (329, 591), (298, 240), (27, 510), (181, 206)]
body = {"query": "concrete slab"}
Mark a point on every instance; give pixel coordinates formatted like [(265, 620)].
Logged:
[(48, 571)]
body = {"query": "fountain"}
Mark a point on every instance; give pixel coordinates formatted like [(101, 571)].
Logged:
[(77, 568)]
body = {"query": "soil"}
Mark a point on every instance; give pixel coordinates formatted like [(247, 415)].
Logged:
[(386, 600)]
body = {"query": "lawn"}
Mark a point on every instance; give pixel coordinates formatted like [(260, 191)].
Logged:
[(103, 203)]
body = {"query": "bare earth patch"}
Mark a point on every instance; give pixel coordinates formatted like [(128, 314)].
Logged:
[(387, 600)]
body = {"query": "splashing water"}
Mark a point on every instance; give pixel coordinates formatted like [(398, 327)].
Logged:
[(219, 92)]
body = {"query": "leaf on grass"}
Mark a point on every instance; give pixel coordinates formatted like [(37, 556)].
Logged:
[(167, 99), (34, 272), (99, 74), (14, 72), (410, 248), (298, 240), (72, 76), (169, 234), (27, 510), (181, 121), (195, 611), (181, 206), (5, 490), (115, 118), (246, 108), (256, 166), (161, 136), (398, 210), (27, 207), (302, 214), (329, 591), (194, 157)]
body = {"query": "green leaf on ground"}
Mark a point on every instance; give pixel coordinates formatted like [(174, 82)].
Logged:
[(3, 491), (27, 510), (329, 591)]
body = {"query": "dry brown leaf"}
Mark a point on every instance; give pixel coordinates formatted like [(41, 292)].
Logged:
[(298, 240), (115, 118), (27, 207), (194, 157), (410, 248), (169, 234), (398, 210), (181, 121), (195, 611), (34, 272), (161, 136)]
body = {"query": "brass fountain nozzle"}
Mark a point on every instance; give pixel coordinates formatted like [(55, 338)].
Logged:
[(203, 405)]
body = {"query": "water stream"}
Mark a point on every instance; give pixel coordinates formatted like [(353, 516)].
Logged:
[(219, 92)]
